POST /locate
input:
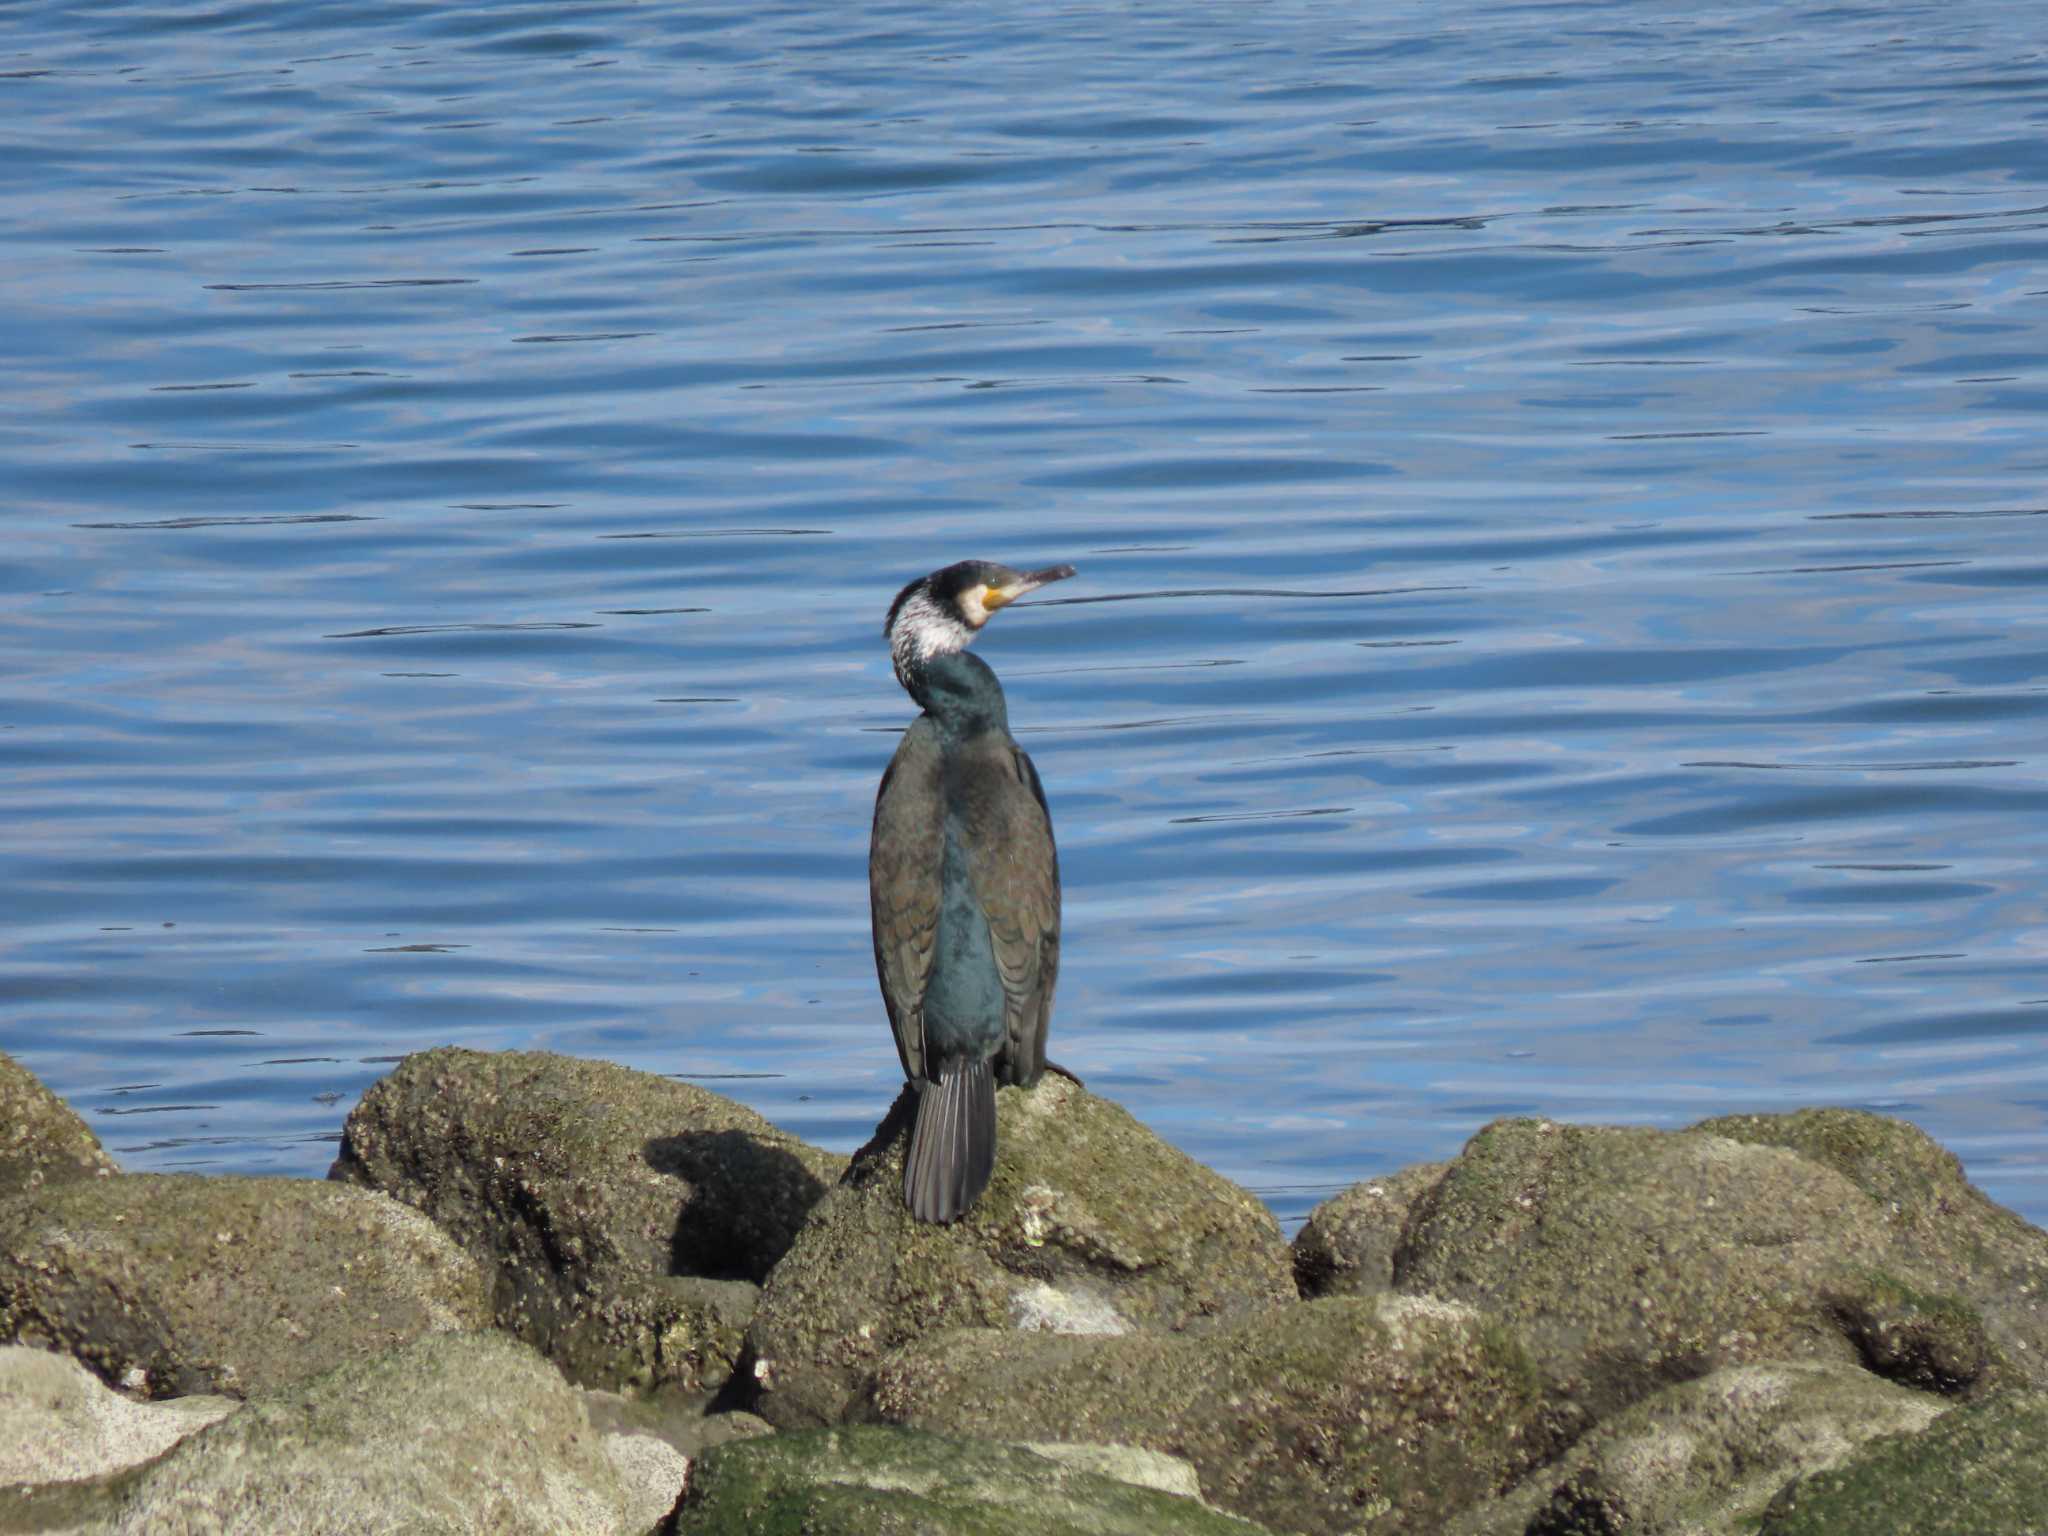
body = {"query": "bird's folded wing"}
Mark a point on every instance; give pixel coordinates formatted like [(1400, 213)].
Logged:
[(1015, 870), (905, 885)]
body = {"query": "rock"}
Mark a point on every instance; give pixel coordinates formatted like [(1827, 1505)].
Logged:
[(1125, 1464), (41, 1140), (651, 1474), (1091, 1224), (872, 1481), (449, 1435), (1346, 1247), (1978, 1470), (1705, 1456), (1935, 1343), (607, 1202), (1384, 1413), (59, 1422), (1629, 1259), (1946, 1236), (684, 1423), (169, 1284)]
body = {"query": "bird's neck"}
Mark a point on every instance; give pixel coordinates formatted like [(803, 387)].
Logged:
[(960, 692)]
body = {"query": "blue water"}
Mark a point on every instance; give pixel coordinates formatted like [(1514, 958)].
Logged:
[(1558, 491)]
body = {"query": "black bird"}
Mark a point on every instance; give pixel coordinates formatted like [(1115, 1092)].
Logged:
[(963, 886)]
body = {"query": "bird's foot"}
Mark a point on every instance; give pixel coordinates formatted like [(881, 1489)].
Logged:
[(1053, 1066)]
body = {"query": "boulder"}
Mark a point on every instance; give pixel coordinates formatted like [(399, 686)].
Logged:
[(1346, 1247), (871, 1481), (41, 1140), (59, 1422), (1091, 1224), (1978, 1470), (1704, 1457), (1385, 1413), (450, 1435), (169, 1284), (624, 1216), (1629, 1259), (1946, 1235)]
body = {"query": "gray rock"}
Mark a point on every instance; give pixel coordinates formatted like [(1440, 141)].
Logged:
[(166, 1285), (1629, 1259), (59, 1422), (682, 1422), (1704, 1457), (1385, 1413), (1978, 1470), (1090, 1224), (41, 1140), (622, 1213), (451, 1435), (872, 1481), (1346, 1247)]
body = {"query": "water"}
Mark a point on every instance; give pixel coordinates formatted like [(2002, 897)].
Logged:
[(1557, 490)]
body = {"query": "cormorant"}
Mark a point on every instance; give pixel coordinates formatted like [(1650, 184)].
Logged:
[(963, 886)]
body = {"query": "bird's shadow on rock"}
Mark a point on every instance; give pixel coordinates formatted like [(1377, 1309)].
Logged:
[(747, 1199)]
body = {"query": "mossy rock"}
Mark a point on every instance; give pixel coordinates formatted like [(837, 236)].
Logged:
[(167, 1284), (1378, 1414), (1091, 1223), (1947, 1236), (1630, 1258), (41, 1140), (873, 1481), (59, 1422), (624, 1217), (1704, 1457), (1346, 1247), (1979, 1470)]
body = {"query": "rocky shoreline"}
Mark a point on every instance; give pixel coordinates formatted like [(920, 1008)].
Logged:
[(549, 1295)]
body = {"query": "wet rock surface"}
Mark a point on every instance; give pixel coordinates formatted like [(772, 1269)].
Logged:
[(1091, 1225), (606, 1203), (168, 1284)]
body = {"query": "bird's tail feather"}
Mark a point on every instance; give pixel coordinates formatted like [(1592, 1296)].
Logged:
[(953, 1146)]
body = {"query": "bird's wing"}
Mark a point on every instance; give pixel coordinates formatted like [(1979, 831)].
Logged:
[(1015, 871), (905, 884)]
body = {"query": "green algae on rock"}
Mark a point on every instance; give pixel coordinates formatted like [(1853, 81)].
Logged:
[(1385, 1413), (1979, 1470), (165, 1284), (1631, 1258), (1090, 1224), (1703, 1457), (624, 1216), (1946, 1235), (41, 1140), (867, 1480)]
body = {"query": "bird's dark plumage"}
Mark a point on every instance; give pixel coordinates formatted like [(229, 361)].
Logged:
[(964, 887)]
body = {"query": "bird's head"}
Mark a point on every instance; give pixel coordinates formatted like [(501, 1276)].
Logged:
[(944, 611)]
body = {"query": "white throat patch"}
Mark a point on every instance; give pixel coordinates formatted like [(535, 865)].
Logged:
[(924, 629)]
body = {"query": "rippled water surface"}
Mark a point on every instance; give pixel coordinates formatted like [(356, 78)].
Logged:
[(1558, 489)]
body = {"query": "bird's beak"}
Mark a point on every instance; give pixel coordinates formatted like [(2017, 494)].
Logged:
[(1031, 581)]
